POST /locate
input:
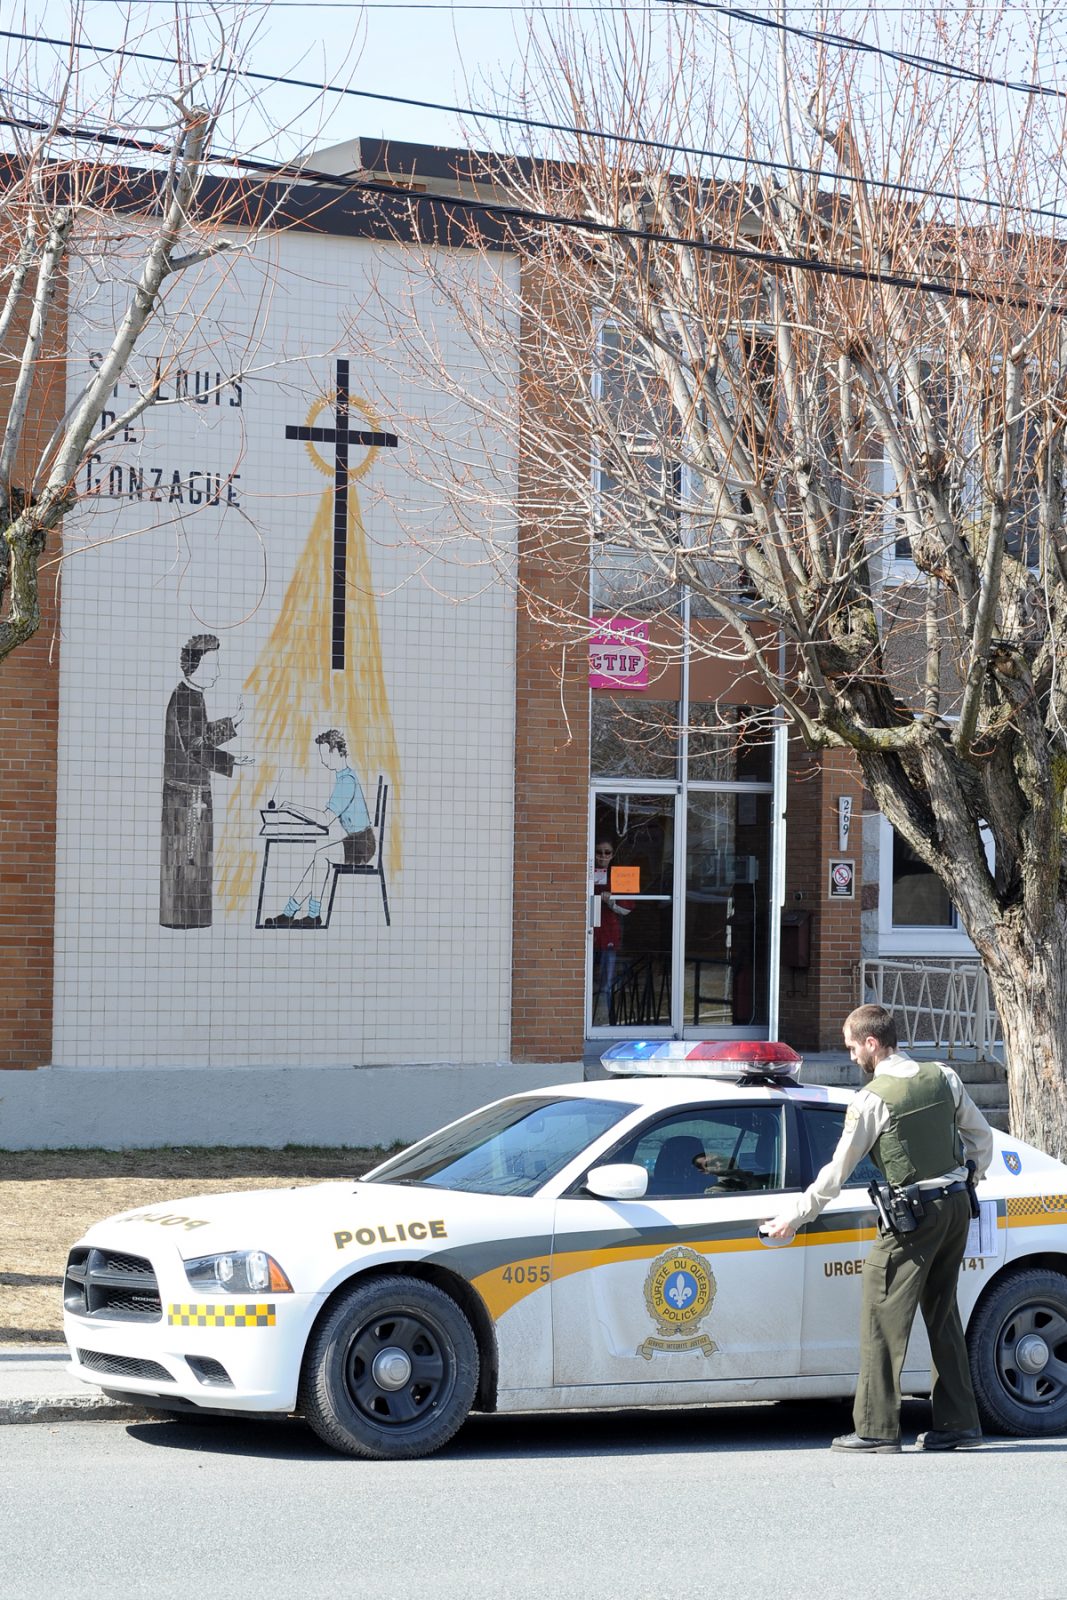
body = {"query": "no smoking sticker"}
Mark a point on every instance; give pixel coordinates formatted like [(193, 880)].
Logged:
[(842, 880)]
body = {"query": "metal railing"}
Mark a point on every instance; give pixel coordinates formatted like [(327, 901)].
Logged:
[(941, 1003)]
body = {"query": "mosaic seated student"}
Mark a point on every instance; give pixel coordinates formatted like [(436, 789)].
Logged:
[(349, 838)]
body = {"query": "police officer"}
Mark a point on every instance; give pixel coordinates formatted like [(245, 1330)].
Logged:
[(920, 1126)]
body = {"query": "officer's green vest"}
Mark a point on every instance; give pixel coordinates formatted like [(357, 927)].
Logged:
[(921, 1140)]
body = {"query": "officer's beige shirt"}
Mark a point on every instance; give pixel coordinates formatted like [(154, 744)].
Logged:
[(866, 1118)]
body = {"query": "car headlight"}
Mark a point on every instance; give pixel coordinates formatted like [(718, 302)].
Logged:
[(238, 1272)]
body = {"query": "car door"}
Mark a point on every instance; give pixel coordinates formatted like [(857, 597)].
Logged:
[(835, 1246), (676, 1287)]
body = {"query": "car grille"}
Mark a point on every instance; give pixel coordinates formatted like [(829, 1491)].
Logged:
[(210, 1371), (111, 1285), (123, 1366)]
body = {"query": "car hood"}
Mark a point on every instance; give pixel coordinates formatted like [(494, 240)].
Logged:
[(291, 1218)]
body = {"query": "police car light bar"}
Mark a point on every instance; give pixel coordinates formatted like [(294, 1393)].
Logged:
[(703, 1058)]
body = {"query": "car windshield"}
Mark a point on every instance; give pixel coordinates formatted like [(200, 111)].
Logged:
[(512, 1148)]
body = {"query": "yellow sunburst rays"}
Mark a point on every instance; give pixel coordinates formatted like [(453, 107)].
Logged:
[(294, 692)]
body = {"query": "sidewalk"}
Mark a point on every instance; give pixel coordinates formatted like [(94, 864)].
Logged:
[(36, 1385)]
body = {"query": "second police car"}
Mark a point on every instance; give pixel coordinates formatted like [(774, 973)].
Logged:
[(593, 1245)]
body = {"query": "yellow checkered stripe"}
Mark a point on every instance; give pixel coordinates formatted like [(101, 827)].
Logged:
[(1038, 1205), (194, 1316)]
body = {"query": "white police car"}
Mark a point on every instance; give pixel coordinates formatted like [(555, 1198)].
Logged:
[(592, 1245)]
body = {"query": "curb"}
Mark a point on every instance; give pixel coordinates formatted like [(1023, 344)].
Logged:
[(94, 1408), (37, 1385)]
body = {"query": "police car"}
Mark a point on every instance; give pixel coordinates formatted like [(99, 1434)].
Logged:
[(591, 1245)]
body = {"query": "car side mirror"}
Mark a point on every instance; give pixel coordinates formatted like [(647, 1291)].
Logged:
[(619, 1180)]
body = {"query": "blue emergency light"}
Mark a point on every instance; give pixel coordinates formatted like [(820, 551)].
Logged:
[(703, 1058)]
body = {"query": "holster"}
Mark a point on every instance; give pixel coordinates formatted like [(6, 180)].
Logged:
[(900, 1207)]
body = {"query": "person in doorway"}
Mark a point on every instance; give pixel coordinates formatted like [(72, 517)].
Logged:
[(607, 936), (921, 1127), (349, 837), (192, 752)]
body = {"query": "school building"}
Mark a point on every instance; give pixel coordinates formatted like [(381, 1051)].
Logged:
[(310, 830)]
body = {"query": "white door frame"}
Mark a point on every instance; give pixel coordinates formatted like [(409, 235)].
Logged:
[(678, 791)]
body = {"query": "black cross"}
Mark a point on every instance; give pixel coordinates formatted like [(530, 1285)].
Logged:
[(340, 436)]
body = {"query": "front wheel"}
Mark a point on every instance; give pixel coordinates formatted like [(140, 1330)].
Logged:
[(391, 1371), (1017, 1343)]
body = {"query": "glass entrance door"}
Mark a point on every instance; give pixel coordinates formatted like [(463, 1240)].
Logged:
[(679, 911), (631, 912), (727, 911)]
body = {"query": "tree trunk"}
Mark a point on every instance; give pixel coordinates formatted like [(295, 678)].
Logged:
[(1029, 990)]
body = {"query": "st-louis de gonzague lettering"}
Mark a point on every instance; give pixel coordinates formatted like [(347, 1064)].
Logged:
[(171, 487)]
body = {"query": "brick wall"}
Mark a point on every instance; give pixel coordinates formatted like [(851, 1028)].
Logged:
[(551, 846), (29, 721), (815, 1003), (551, 750)]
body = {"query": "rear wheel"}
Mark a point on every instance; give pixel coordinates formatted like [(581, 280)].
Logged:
[(1017, 1342), (391, 1371)]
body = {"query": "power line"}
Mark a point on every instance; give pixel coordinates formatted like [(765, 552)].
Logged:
[(845, 41), (447, 6), (513, 119), (492, 208)]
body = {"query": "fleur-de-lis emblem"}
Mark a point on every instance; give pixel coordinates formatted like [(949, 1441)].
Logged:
[(680, 1291)]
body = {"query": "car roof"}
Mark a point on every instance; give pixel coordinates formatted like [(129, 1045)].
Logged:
[(656, 1092)]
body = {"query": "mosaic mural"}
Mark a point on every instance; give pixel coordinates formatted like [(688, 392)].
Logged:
[(307, 721)]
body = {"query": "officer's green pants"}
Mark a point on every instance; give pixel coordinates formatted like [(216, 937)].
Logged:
[(919, 1270)]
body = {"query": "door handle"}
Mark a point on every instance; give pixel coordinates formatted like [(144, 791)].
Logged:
[(771, 1244)]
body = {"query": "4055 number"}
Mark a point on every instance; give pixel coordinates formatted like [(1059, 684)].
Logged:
[(530, 1273)]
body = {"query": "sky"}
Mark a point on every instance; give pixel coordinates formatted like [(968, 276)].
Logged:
[(463, 55), (467, 54)]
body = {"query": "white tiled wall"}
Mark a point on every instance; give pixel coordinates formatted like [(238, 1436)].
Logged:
[(142, 578)]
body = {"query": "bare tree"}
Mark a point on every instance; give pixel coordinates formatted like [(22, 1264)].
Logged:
[(108, 168), (824, 393)]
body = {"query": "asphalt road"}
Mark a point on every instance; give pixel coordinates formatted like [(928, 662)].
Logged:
[(738, 1502)]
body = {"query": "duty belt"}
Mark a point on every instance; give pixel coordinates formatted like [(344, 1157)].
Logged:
[(959, 1187)]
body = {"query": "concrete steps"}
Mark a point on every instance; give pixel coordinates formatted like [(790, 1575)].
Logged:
[(986, 1081)]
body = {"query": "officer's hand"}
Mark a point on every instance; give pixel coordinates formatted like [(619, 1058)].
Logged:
[(775, 1229)]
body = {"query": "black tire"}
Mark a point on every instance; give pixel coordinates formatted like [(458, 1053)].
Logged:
[(354, 1390), (1017, 1342)]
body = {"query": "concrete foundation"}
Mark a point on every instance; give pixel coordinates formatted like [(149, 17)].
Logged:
[(62, 1107)]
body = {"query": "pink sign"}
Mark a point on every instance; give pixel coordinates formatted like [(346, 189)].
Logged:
[(618, 654)]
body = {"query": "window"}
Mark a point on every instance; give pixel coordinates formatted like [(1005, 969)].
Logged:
[(654, 490), (729, 743), (920, 899), (714, 1150), (512, 1148), (823, 1125), (633, 737), (627, 583), (956, 426), (1022, 531), (639, 481), (936, 394), (908, 890)]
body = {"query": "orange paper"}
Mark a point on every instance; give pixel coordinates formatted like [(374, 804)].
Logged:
[(626, 880)]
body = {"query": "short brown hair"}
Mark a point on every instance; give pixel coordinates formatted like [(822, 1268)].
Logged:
[(872, 1022)]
